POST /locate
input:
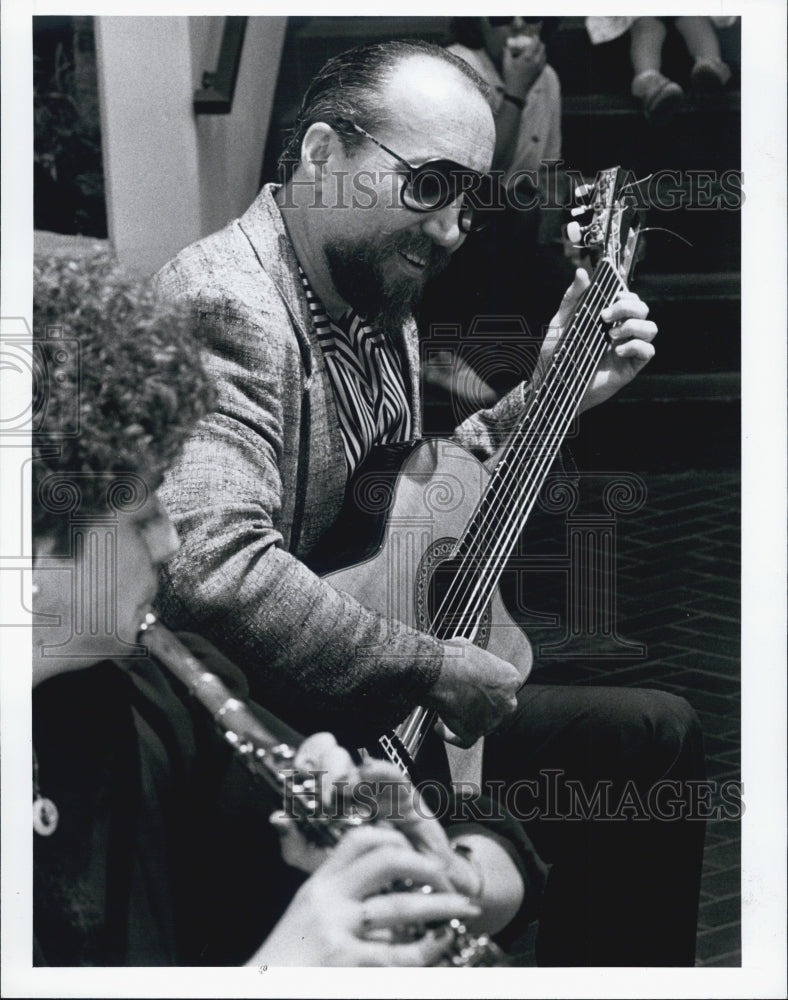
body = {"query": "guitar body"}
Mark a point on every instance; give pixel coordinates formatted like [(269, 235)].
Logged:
[(416, 508), (431, 499)]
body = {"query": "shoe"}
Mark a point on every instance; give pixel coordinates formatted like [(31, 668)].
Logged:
[(659, 95), (709, 75)]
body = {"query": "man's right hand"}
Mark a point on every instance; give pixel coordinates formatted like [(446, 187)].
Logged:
[(474, 693), (524, 58)]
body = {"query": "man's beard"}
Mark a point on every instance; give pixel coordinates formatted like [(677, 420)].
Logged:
[(358, 275)]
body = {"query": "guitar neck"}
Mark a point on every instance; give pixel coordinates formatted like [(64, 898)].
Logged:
[(528, 457), (487, 543), (492, 532)]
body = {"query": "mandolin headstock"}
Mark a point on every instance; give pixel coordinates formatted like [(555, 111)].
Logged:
[(611, 221)]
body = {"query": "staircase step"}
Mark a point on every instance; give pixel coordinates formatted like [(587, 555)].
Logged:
[(692, 243), (587, 69), (324, 37), (359, 29), (695, 387), (668, 423), (696, 335), (665, 432), (694, 342), (722, 285), (699, 319), (600, 130), (621, 103)]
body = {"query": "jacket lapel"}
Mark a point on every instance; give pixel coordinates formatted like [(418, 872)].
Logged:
[(321, 473)]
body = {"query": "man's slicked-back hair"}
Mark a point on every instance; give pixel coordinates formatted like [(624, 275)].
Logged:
[(349, 88)]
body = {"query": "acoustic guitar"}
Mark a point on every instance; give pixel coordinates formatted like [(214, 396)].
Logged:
[(439, 527)]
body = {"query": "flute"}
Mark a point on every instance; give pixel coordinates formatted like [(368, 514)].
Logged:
[(272, 760)]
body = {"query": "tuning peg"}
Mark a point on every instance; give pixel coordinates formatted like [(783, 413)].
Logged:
[(583, 190), (574, 232), (580, 210)]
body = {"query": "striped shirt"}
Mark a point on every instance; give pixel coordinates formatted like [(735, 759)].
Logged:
[(366, 376)]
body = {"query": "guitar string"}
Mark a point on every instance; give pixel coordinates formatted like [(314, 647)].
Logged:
[(414, 728), (537, 447), (411, 732), (540, 443), (516, 472)]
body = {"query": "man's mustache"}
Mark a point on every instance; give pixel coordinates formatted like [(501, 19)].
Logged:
[(436, 258)]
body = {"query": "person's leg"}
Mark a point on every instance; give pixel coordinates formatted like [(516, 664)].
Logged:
[(610, 772), (700, 36), (646, 37), (658, 94)]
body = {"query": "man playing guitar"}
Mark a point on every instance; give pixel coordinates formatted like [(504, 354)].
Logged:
[(305, 305)]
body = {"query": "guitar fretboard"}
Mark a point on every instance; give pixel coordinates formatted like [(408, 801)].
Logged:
[(492, 532), (514, 486)]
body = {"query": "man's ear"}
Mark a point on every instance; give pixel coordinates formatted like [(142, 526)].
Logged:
[(319, 145)]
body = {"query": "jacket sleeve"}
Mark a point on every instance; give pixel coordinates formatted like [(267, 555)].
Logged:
[(484, 817), (485, 431), (312, 653)]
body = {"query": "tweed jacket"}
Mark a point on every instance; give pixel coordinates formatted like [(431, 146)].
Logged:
[(263, 477)]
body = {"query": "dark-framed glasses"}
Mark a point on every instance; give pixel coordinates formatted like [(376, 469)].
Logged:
[(436, 183)]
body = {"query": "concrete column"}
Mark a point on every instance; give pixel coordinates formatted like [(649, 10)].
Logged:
[(171, 176), (149, 140)]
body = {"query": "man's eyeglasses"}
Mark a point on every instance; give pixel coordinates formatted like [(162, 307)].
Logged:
[(437, 183)]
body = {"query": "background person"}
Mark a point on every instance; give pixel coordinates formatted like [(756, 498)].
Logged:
[(659, 95), (510, 55), (517, 266)]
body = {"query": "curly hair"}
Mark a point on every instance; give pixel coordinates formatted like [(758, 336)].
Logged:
[(348, 89), (118, 385)]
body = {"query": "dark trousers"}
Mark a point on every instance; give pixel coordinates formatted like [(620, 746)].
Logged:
[(625, 872)]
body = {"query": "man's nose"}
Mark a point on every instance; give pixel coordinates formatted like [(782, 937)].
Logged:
[(443, 226)]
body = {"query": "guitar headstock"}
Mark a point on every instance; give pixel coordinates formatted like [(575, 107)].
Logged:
[(611, 220)]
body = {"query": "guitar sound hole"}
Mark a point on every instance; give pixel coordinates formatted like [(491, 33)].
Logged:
[(440, 609)]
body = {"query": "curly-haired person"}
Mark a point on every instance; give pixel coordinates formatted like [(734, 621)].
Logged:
[(136, 807)]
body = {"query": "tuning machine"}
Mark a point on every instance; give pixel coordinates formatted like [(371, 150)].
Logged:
[(576, 228), (582, 215), (574, 233)]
